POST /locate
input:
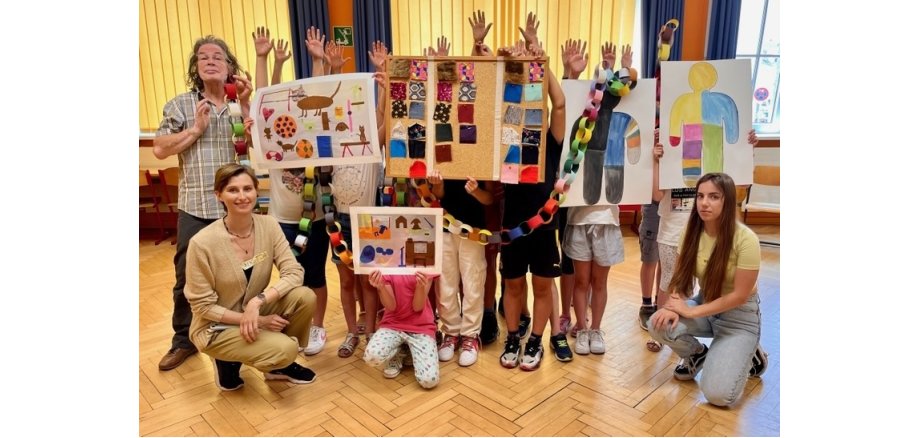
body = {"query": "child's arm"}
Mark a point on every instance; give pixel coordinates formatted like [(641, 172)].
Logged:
[(657, 151), (385, 291), (480, 30), (437, 183), (315, 42), (260, 38), (483, 196), (381, 78), (282, 54), (422, 284)]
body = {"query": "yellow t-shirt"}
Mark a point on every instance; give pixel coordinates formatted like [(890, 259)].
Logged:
[(745, 255)]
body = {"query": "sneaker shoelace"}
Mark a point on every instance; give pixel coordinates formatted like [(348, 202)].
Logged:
[(511, 346), (531, 349), (469, 344)]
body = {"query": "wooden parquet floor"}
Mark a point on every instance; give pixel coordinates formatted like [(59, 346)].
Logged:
[(627, 391)]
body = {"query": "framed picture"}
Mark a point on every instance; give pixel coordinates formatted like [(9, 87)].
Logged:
[(397, 240)]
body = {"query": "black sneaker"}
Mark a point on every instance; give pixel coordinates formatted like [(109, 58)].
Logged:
[(533, 354), (689, 367), (227, 375), (523, 325), (560, 346), (645, 312), (489, 329), (293, 373), (758, 362), (512, 354)]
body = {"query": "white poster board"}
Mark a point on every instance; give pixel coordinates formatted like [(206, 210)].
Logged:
[(397, 240), (615, 172), (320, 121), (705, 120)]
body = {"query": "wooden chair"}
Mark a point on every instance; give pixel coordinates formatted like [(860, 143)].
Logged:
[(763, 194), (148, 199), (169, 183)]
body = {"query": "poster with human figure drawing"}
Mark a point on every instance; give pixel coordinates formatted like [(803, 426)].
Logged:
[(320, 121), (397, 240), (617, 167), (705, 117)]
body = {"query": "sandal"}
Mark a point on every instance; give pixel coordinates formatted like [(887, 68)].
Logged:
[(348, 347), (653, 346), (362, 327)]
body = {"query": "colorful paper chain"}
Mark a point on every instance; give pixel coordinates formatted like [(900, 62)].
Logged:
[(616, 83), (236, 122), (396, 193)]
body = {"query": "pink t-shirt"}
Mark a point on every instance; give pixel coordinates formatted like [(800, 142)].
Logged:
[(403, 318)]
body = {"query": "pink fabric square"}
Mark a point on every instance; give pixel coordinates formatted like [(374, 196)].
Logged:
[(445, 89)]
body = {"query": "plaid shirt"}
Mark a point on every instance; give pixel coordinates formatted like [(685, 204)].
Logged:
[(199, 163)]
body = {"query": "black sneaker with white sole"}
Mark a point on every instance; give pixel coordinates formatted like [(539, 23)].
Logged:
[(758, 362), (293, 373), (512, 354), (645, 312), (689, 367), (227, 375)]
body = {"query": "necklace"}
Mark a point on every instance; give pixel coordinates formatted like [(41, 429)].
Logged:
[(251, 229)]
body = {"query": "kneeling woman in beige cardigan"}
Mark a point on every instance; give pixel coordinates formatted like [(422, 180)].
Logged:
[(237, 316)]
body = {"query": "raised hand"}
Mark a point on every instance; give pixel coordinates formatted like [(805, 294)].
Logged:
[(536, 50), (378, 55), (435, 178), (443, 46), (609, 54), (334, 55), (315, 42), (482, 49), (530, 32), (576, 60), (262, 42), (478, 23), (281, 52), (626, 58)]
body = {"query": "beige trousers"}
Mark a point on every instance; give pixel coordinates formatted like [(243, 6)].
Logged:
[(464, 259), (272, 350)]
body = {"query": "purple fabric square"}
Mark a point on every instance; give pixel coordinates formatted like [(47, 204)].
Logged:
[(468, 134)]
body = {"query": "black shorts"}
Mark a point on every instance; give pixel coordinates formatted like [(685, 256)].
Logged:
[(537, 252), (313, 259)]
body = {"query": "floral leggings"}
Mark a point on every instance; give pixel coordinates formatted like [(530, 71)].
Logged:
[(385, 344)]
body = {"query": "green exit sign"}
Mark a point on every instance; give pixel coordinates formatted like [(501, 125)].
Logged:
[(344, 36)]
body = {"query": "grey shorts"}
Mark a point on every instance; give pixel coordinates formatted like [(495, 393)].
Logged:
[(648, 246), (602, 244)]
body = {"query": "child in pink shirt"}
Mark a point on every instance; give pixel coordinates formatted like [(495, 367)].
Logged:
[(407, 319)]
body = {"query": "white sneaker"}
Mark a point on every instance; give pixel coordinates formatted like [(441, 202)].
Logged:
[(469, 350), (597, 342), (317, 341), (394, 366), (448, 346), (581, 342)]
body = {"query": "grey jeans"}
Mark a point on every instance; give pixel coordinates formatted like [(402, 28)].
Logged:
[(735, 335)]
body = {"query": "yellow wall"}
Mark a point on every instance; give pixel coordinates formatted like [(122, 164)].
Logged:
[(169, 28), (418, 23)]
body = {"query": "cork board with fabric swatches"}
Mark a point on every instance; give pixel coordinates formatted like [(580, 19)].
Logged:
[(456, 107)]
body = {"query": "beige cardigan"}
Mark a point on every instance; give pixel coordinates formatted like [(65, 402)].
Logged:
[(215, 281)]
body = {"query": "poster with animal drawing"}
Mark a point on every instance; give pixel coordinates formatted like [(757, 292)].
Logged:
[(397, 240), (705, 119), (320, 121), (617, 167), (467, 116)]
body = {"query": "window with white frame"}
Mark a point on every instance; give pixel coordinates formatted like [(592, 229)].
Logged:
[(758, 40)]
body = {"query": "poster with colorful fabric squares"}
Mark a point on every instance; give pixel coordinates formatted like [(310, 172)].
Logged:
[(416, 91), (398, 90), (445, 91), (466, 71), (468, 92), (465, 116), (419, 70)]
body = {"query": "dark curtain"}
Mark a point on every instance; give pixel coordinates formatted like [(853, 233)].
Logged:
[(723, 29), (306, 13), (655, 13), (372, 23)]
